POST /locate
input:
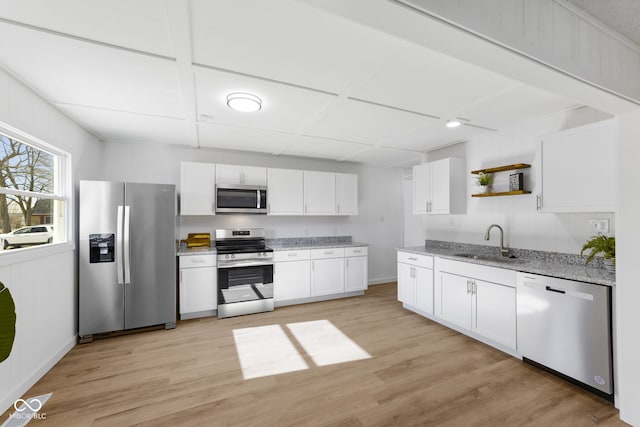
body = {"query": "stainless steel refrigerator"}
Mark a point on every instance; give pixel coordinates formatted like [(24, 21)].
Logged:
[(126, 257)]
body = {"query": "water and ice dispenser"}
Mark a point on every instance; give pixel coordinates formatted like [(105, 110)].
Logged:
[(102, 248)]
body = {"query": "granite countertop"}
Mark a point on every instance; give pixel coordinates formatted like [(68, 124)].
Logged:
[(313, 245), (563, 266), (206, 250)]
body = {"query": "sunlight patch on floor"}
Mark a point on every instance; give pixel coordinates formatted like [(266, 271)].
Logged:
[(326, 344), (266, 350)]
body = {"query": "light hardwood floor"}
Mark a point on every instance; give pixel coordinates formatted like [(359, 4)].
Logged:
[(420, 373)]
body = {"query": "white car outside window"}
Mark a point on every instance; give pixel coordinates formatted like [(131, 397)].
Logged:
[(29, 235)]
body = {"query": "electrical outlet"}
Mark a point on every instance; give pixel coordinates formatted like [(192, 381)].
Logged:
[(599, 225)]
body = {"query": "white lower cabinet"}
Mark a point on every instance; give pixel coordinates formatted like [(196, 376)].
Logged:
[(415, 281), (327, 276), (198, 286), (356, 269), (486, 307), (291, 275)]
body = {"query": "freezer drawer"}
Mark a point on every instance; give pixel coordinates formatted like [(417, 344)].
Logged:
[(566, 326)]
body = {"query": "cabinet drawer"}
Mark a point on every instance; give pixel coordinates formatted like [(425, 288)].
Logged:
[(192, 261), (327, 253), (415, 259), (281, 256), (359, 251)]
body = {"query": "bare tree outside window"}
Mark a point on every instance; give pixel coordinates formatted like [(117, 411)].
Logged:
[(30, 171)]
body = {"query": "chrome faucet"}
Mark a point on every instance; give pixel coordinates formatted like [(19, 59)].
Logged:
[(503, 251)]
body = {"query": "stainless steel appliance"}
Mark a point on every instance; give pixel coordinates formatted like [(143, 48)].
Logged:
[(245, 272), (126, 257), (250, 199), (565, 326)]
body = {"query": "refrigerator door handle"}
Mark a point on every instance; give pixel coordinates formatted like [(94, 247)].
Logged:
[(119, 246), (127, 249)]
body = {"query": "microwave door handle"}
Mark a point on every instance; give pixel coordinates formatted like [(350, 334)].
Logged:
[(258, 191)]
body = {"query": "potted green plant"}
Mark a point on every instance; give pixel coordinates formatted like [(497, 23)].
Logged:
[(485, 180), (604, 245)]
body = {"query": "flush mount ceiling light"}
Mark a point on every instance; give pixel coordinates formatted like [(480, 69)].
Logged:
[(453, 123), (245, 102)]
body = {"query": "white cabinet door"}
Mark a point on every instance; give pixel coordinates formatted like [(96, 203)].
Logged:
[(198, 289), (240, 175), (356, 275), (440, 187), (495, 312), (285, 194), (319, 193), (197, 188), (327, 276), (455, 295), (228, 174), (406, 284), (346, 194), (254, 175), (578, 169), (421, 188), (291, 280), (424, 289)]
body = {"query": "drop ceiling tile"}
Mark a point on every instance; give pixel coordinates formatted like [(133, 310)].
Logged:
[(69, 71), (429, 137), (140, 25), (111, 125), (514, 105), (324, 148), (365, 123), (431, 83), (284, 108), (285, 41), (384, 156), (241, 139)]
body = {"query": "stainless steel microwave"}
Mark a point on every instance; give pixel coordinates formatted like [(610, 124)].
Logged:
[(251, 199)]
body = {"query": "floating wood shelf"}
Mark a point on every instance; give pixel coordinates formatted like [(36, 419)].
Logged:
[(502, 193), (502, 169)]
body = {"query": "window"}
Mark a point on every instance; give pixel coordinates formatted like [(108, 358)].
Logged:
[(34, 197)]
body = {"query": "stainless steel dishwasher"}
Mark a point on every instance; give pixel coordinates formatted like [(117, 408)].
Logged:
[(565, 326)]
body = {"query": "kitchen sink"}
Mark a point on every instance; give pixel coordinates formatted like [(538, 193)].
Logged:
[(492, 258)]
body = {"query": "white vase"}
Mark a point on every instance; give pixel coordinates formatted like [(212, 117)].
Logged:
[(484, 189)]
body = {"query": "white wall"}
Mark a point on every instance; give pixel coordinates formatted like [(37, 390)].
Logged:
[(627, 286), (379, 222), (43, 285), (524, 226)]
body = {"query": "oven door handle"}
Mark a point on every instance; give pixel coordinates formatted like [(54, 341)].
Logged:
[(243, 264)]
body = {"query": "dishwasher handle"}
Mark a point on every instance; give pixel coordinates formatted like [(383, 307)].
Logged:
[(550, 289)]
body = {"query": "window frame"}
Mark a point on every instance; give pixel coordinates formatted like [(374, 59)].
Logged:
[(62, 190)]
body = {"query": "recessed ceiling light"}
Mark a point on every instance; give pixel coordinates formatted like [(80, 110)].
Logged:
[(245, 102), (453, 123)]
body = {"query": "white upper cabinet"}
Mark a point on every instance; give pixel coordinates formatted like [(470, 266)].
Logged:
[(578, 169), (346, 194), (197, 188), (240, 175), (439, 187), (319, 193), (285, 193)]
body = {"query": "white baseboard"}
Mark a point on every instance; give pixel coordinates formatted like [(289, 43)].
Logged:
[(21, 389), (381, 280)]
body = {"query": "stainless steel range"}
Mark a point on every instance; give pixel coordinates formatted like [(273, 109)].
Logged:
[(245, 272)]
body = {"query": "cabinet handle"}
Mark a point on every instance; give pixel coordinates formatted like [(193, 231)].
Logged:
[(411, 272), (474, 288), (338, 208), (292, 254), (197, 260), (356, 251), (413, 259), (468, 286), (538, 202), (313, 266), (328, 252)]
